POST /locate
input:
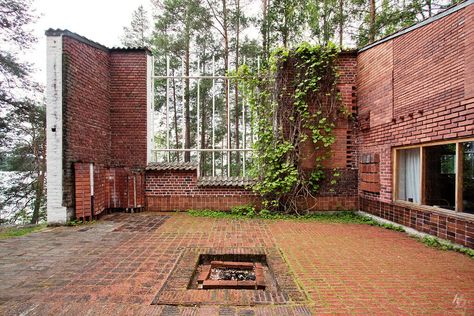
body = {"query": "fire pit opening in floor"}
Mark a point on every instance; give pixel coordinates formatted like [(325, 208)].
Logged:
[(230, 271)]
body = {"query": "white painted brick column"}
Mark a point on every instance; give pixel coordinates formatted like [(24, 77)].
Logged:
[(57, 213)]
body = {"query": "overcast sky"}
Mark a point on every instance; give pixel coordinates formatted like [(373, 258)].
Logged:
[(99, 20)]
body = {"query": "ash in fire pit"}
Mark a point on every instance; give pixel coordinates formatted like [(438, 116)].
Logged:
[(231, 275)]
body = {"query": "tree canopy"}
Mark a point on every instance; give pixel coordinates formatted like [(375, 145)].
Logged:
[(22, 119)]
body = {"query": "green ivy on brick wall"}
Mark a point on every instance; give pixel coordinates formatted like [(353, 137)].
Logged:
[(293, 101)]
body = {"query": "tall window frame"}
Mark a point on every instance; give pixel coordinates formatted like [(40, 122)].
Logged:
[(396, 153)]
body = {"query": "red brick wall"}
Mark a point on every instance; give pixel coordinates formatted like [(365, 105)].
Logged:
[(342, 195), (442, 225), (428, 66), (104, 114), (374, 84), (128, 110), (178, 190), (469, 53), (416, 89), (343, 150), (101, 190), (84, 205), (86, 115)]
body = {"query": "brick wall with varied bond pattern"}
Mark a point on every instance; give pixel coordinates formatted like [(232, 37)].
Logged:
[(86, 109), (104, 110), (414, 89), (179, 190), (128, 103)]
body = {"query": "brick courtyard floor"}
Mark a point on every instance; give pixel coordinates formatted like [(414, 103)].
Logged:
[(123, 263)]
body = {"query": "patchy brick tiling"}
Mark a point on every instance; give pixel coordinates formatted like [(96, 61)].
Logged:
[(135, 224), (177, 291), (342, 268)]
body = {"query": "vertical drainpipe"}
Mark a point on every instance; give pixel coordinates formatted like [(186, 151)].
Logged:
[(56, 211)]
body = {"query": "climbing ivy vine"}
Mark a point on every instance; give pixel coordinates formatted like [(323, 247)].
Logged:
[(294, 106)]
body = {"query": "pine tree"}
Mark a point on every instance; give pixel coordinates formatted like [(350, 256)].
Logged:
[(15, 15), (221, 14), (25, 192), (229, 22), (177, 25), (22, 120), (285, 22), (324, 17), (136, 35), (383, 17)]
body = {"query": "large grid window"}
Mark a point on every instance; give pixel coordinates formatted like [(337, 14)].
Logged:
[(437, 175)]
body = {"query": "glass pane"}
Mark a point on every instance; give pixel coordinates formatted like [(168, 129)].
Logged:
[(468, 177), (409, 175), (440, 171)]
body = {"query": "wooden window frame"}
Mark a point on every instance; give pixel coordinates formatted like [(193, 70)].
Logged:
[(459, 174)]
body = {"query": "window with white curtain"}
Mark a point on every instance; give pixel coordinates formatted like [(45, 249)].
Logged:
[(440, 175), (409, 175)]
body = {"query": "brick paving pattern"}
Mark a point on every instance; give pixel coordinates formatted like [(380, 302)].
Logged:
[(119, 265)]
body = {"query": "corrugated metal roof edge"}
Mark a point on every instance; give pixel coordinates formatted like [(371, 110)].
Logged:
[(85, 40), (224, 182), (171, 166)]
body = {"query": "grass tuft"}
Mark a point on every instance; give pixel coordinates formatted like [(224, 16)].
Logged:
[(437, 243), (76, 222), (246, 212), (11, 232)]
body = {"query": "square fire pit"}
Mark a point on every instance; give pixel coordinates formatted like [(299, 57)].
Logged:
[(244, 276), (231, 275)]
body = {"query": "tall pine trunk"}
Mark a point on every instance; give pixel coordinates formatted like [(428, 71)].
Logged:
[(187, 129), (175, 118), (285, 31), (237, 142), (226, 68), (372, 21), (39, 195), (265, 29), (341, 22), (203, 120), (39, 149)]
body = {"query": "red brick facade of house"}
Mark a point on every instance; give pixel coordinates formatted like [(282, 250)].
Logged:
[(415, 87), (104, 117)]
